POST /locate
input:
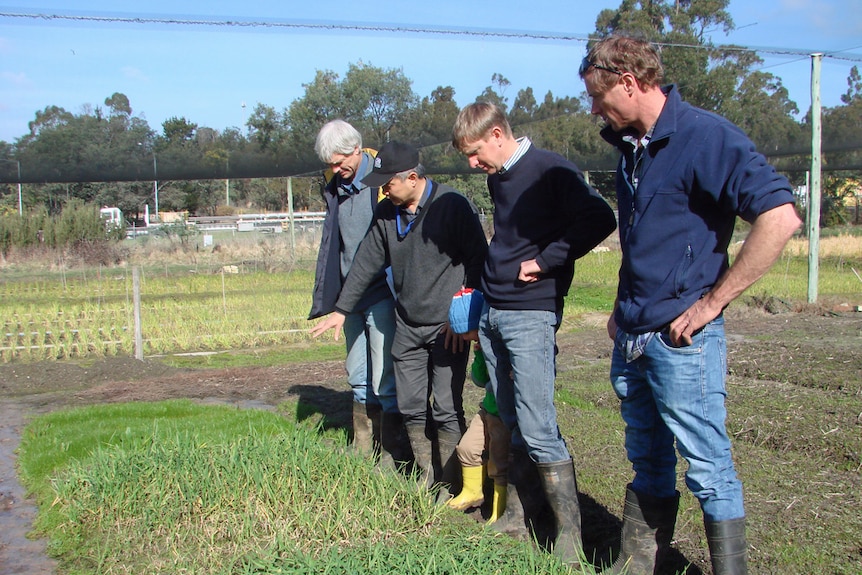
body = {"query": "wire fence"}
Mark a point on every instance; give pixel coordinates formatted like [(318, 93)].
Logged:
[(182, 309)]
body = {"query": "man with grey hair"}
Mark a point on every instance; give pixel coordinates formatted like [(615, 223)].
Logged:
[(370, 327), (431, 236)]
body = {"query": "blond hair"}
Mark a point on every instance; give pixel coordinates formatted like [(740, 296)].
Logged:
[(475, 121)]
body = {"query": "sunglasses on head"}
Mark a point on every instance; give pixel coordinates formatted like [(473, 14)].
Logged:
[(586, 64)]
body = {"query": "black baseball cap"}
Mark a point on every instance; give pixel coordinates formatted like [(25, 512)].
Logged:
[(393, 158)]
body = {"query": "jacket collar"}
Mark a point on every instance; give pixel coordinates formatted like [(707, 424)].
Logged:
[(665, 126)]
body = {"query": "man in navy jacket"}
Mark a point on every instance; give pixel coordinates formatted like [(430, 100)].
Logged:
[(684, 176)]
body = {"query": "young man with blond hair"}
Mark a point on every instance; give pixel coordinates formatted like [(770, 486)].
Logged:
[(545, 217)]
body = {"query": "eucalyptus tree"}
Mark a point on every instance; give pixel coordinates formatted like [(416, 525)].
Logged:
[(842, 145), (708, 75), (377, 100), (74, 151), (374, 100), (524, 107), (428, 126), (322, 101), (266, 128), (496, 92), (430, 122)]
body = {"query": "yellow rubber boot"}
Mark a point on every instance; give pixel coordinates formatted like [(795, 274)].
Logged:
[(471, 491), (498, 505)]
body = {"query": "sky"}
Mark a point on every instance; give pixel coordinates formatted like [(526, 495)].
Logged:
[(214, 76)]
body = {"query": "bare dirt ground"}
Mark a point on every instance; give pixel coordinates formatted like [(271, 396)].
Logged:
[(813, 348)]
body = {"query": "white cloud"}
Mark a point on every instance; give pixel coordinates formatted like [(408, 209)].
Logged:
[(17, 79), (133, 73)]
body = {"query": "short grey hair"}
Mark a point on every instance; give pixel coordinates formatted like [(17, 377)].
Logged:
[(336, 137), (419, 169)]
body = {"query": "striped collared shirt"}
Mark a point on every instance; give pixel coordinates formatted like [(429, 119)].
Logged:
[(523, 145)]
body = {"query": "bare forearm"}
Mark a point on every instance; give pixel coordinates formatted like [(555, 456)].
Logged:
[(763, 246)]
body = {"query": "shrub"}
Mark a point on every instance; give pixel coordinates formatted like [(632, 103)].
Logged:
[(77, 224)]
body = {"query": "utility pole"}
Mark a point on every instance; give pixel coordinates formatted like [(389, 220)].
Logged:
[(227, 181), (156, 185), (20, 200)]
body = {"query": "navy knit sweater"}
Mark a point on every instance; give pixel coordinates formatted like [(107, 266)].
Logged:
[(543, 210), (443, 252)]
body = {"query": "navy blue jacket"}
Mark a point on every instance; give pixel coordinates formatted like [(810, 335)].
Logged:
[(699, 172)]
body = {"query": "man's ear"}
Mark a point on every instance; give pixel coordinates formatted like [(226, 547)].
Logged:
[(497, 133), (631, 84)]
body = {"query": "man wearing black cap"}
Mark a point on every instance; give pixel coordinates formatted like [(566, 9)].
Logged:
[(431, 236)]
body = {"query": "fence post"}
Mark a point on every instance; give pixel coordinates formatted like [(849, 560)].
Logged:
[(136, 297), (290, 218), (814, 184)]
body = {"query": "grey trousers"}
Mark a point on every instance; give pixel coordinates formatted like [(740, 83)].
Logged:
[(427, 375)]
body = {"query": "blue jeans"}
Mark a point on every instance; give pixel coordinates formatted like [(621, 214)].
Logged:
[(369, 335), (679, 393), (520, 349)]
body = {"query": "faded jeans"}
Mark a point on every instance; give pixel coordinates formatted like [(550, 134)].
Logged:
[(520, 349), (369, 335), (678, 393)]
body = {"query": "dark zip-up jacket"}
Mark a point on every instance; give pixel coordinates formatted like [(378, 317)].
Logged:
[(327, 277), (698, 172)]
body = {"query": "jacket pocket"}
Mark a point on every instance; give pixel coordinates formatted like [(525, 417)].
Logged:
[(681, 276)]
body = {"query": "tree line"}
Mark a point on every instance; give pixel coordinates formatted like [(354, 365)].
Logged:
[(107, 155)]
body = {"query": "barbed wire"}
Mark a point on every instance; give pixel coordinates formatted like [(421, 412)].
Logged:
[(404, 28), (327, 26)]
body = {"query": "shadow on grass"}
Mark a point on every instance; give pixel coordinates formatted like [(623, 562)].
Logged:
[(333, 408)]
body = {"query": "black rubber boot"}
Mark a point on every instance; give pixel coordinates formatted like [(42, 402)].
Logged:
[(362, 430), (561, 491), (450, 475), (648, 525), (375, 420), (422, 458), (395, 451), (524, 497), (727, 546)]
